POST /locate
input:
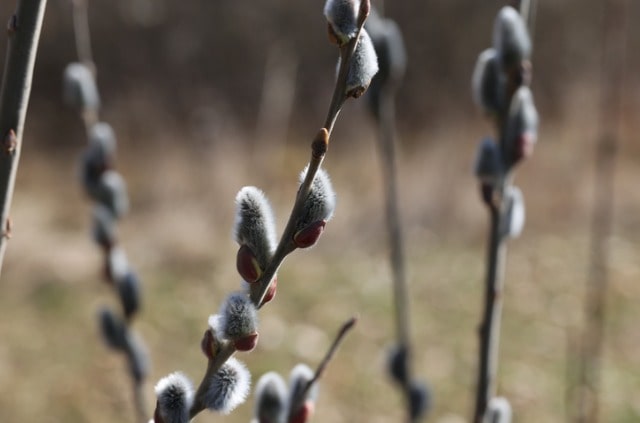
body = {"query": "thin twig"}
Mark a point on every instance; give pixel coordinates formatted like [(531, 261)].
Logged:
[(489, 330), (23, 33), (346, 327), (285, 246), (388, 161), (613, 60), (82, 33), (319, 149)]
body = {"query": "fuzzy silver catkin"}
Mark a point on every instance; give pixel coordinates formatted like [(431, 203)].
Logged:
[(321, 201), (487, 82), (175, 397), (499, 410), (392, 57), (79, 87), (129, 292), (300, 376), (270, 399), (363, 66), (522, 121), (342, 15), (515, 212), (238, 316), (254, 224), (111, 192), (488, 164), (138, 357), (102, 139), (104, 229), (389, 46), (117, 264), (229, 387), (510, 37), (113, 329)]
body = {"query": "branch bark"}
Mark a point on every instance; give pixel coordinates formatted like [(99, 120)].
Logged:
[(24, 33)]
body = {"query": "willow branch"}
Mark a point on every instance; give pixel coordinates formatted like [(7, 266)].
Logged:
[(24, 33)]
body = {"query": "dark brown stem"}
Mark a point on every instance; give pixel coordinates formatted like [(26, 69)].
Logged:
[(24, 33), (346, 327), (213, 365), (489, 330), (319, 148), (82, 33), (387, 148), (340, 91)]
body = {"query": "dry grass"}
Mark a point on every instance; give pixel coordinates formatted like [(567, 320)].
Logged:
[(53, 366)]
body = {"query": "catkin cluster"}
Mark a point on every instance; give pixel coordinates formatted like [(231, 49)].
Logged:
[(106, 189)]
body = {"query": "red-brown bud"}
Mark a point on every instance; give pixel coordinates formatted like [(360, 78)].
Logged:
[(247, 264), (209, 345), (309, 235), (303, 414), (246, 343), (271, 291)]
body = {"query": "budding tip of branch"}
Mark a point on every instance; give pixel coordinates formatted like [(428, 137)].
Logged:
[(320, 144)]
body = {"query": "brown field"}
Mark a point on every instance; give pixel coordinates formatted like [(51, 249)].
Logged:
[(54, 367)]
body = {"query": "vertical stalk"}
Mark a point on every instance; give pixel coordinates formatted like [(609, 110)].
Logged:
[(23, 33), (82, 33), (613, 60), (489, 330), (387, 147)]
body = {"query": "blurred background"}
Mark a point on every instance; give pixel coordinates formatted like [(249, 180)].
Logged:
[(208, 96)]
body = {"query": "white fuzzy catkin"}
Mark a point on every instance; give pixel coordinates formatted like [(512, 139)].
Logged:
[(523, 116), (363, 66), (389, 46), (138, 357), (175, 397), (321, 201), (487, 82), (238, 316), (118, 265), (515, 214), (522, 121), (104, 229), (342, 15), (229, 387), (113, 329), (102, 138), (270, 399), (254, 224), (488, 165), (79, 87), (300, 375), (499, 410), (511, 37), (112, 193)]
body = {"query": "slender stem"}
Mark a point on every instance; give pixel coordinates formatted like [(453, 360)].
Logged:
[(285, 246), (140, 404), (489, 330), (344, 329), (346, 52), (213, 365), (24, 34), (613, 60), (82, 33), (388, 161), (318, 151)]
